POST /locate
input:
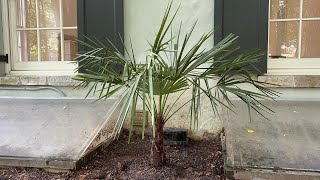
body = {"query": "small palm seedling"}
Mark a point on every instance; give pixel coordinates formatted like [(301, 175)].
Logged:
[(169, 72)]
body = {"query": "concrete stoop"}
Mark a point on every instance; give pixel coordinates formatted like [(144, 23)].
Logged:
[(284, 146), (54, 133)]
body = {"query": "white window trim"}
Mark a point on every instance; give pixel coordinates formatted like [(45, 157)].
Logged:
[(65, 67), (6, 34), (292, 66)]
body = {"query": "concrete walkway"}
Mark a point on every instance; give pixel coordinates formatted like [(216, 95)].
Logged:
[(287, 146), (53, 133)]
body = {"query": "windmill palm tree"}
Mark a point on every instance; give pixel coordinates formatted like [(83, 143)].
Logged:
[(169, 72)]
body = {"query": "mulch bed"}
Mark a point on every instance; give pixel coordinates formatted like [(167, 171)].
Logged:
[(198, 160)]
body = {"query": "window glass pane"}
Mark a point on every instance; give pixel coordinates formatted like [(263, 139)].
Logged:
[(284, 37), (285, 9), (27, 45), (49, 13), (310, 46), (26, 13), (311, 8), (70, 44), (50, 45), (69, 13)]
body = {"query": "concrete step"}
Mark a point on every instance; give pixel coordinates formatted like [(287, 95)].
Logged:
[(59, 133), (287, 146)]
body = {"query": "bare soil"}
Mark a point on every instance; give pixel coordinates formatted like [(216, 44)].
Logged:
[(120, 160)]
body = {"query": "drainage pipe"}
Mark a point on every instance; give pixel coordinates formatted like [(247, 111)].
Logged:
[(31, 88)]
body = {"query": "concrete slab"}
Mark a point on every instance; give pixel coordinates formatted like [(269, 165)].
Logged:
[(288, 141), (53, 132)]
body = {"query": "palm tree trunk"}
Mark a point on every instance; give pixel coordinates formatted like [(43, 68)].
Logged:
[(157, 156)]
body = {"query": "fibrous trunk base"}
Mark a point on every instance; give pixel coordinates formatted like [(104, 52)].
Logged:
[(158, 156)]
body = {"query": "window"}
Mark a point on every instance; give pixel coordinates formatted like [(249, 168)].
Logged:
[(294, 35), (288, 30), (40, 34), (43, 34)]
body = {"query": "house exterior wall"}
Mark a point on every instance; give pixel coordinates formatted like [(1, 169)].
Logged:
[(142, 18), (141, 22)]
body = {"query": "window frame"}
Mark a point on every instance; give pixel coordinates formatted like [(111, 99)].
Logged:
[(292, 66), (6, 34), (50, 66)]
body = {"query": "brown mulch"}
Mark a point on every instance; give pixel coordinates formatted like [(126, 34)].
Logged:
[(198, 160)]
